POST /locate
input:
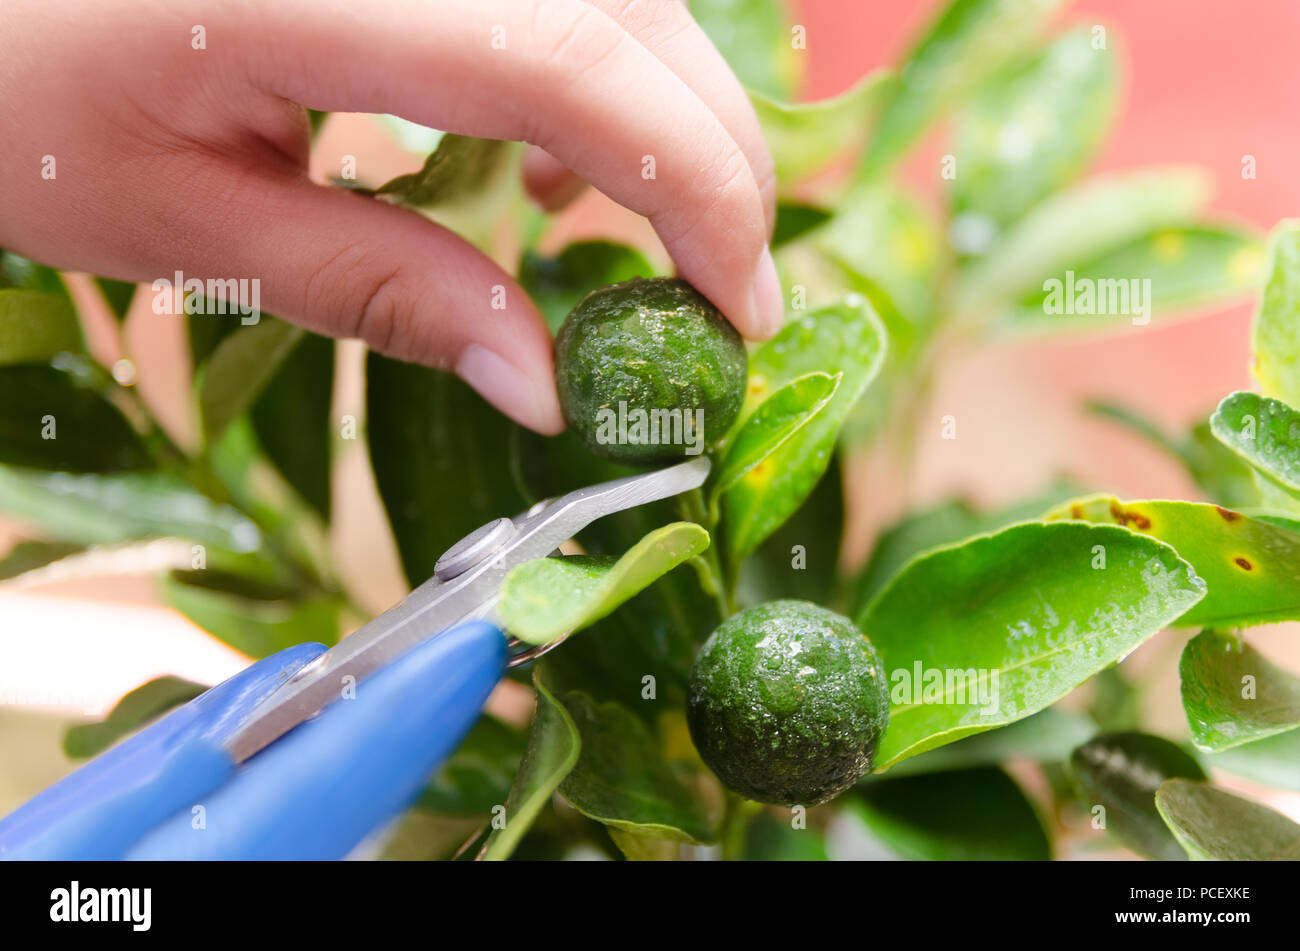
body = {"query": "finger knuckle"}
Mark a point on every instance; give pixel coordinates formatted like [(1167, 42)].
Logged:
[(573, 39)]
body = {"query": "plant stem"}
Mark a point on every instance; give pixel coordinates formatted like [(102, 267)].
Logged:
[(708, 565)]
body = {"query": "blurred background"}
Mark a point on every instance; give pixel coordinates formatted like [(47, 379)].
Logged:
[(1205, 83)]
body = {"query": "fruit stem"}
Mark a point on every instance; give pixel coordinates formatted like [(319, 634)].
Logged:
[(708, 565), (735, 824)]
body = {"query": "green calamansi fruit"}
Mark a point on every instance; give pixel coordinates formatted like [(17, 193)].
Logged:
[(787, 702), (649, 371)]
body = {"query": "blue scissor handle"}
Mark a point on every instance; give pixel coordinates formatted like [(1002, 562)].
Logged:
[(172, 791)]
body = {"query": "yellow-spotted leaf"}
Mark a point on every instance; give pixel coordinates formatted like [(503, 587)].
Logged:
[(846, 339), (1251, 568)]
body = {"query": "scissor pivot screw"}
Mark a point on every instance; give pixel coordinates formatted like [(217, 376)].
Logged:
[(478, 545)]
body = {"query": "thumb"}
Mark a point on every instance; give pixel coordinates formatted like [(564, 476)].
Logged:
[(348, 266)]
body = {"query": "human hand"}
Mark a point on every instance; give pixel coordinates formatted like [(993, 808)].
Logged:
[(174, 158)]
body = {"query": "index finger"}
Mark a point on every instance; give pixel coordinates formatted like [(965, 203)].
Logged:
[(560, 74)]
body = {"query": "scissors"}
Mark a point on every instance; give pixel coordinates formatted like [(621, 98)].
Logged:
[(308, 752)]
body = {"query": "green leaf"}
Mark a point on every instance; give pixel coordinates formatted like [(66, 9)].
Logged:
[(139, 707), (117, 294), (969, 41), (942, 525), (28, 556), (1276, 340), (254, 621), (241, 367), (794, 220), (1075, 226), (1187, 268), (881, 235), (1266, 433), (1215, 825), (801, 558), (1274, 761), (437, 448), (1023, 617), (969, 814), (623, 779), (52, 419), (777, 419), (769, 839), (1250, 567), (35, 325), (1233, 695), (557, 284), (21, 272), (104, 509), (754, 38), (293, 423), (1033, 128), (458, 167), (550, 597), (805, 137), (1121, 773), (1049, 736), (479, 774), (552, 752), (846, 339)]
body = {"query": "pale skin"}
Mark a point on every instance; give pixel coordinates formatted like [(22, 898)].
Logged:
[(171, 158)]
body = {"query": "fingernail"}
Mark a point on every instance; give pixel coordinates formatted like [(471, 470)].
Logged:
[(527, 401), (769, 300)]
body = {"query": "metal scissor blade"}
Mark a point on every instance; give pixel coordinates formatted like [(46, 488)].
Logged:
[(449, 598)]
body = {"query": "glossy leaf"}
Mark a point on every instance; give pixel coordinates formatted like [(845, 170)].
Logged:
[(1215, 825), (1250, 567), (805, 137), (552, 752), (969, 41), (1121, 773), (1266, 433), (103, 509), (20, 272), (52, 419), (777, 419), (550, 597), (1187, 268), (942, 525), (1276, 340), (755, 39), (139, 707), (292, 419), (1049, 736), (479, 774), (1233, 695), (240, 368), (845, 339), (1033, 128), (35, 325), (557, 284), (458, 167), (623, 779), (437, 449), (252, 621), (1075, 226), (1031, 604), (970, 814)]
